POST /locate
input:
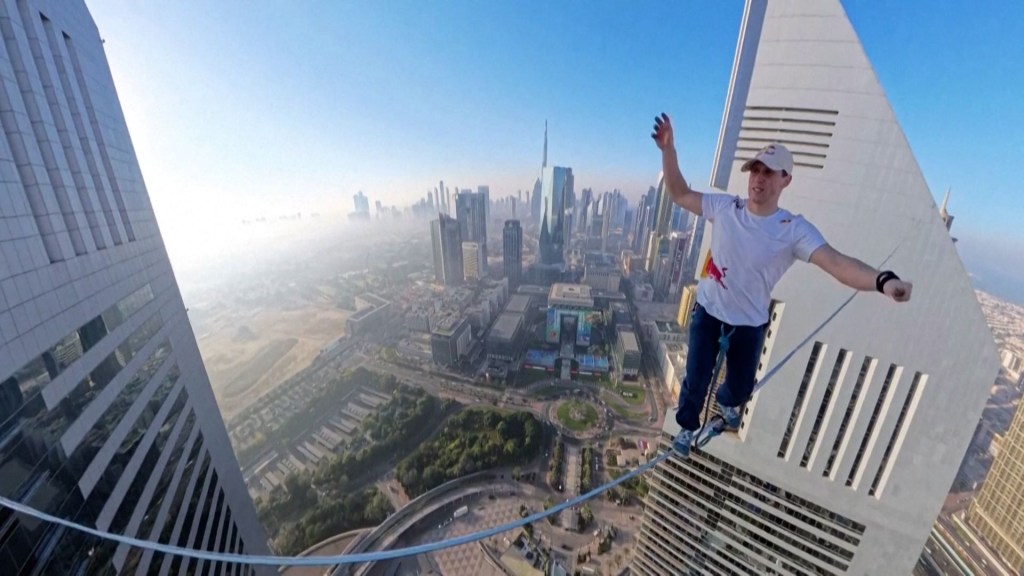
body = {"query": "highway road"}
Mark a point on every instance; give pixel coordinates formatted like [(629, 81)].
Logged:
[(515, 398)]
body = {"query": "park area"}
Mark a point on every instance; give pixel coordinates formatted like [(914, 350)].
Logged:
[(577, 415)]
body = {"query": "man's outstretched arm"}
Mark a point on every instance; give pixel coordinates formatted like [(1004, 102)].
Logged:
[(856, 274), (675, 184)]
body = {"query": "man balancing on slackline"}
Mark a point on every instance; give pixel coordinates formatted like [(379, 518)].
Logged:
[(753, 245)]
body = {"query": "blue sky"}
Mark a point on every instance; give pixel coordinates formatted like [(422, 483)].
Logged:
[(272, 107)]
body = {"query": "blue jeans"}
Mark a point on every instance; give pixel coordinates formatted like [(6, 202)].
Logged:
[(741, 359)]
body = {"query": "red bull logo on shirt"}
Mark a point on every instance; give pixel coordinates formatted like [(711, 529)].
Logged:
[(711, 270)]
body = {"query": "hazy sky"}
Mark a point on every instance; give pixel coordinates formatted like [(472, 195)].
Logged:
[(240, 108)]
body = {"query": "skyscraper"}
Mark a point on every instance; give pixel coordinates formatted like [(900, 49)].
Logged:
[(512, 253), (471, 213), (680, 219), (628, 220), (106, 411), (947, 218), (587, 202), (556, 196), (693, 247), (842, 462), (660, 221), (687, 298), (447, 242), (998, 511), (544, 160), (606, 219), (485, 191), (535, 199), (362, 203), (644, 213), (474, 263)]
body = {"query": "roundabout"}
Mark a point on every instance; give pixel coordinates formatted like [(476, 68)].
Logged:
[(579, 417)]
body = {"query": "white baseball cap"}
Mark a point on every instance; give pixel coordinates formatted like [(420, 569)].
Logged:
[(775, 156)]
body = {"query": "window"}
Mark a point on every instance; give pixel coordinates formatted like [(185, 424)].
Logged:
[(899, 432), (826, 404), (882, 398), (810, 373)]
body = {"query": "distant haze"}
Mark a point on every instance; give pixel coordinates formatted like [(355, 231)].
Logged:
[(207, 249), (996, 265)]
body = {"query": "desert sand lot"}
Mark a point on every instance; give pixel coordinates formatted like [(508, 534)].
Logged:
[(248, 353)]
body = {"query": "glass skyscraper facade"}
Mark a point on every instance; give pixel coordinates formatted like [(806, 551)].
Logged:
[(471, 213), (556, 200), (512, 253), (447, 250), (107, 417), (998, 511)]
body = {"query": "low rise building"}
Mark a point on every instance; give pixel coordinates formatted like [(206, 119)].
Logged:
[(538, 294), (669, 332), (450, 340), (417, 321), (518, 303), (671, 357), (627, 353), (506, 337), (619, 315), (479, 316), (368, 300), (570, 296), (496, 292), (523, 304), (571, 315), (643, 292), (602, 276), (371, 315)]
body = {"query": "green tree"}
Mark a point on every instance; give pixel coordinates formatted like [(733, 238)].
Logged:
[(586, 516), (470, 442)]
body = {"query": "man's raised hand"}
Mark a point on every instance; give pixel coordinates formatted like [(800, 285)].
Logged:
[(898, 290), (663, 131)]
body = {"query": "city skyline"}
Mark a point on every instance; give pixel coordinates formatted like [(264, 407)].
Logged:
[(364, 365), (194, 142)]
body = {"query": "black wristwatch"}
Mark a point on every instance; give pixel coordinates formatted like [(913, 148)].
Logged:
[(884, 277)]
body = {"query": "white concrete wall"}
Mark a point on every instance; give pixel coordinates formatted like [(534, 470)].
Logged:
[(869, 199)]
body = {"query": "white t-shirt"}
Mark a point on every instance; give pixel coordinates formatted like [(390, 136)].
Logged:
[(749, 254)]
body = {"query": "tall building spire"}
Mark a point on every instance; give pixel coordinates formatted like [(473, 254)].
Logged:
[(947, 219), (545, 162)]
